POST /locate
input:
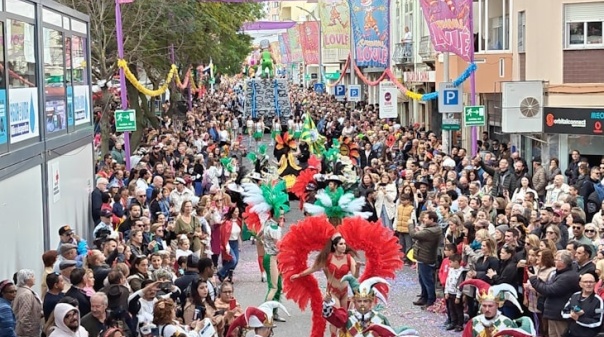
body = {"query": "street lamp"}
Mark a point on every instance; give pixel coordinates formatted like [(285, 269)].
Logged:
[(320, 41)]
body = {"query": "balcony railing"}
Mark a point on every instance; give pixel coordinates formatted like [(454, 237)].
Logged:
[(403, 53), (426, 50)]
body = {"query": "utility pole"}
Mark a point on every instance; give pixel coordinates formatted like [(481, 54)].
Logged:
[(446, 78)]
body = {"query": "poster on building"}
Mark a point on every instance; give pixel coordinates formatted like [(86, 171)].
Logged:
[(371, 32), (55, 109), (449, 23), (335, 23), (81, 104), (23, 112), (3, 127), (309, 41), (56, 181), (388, 100)]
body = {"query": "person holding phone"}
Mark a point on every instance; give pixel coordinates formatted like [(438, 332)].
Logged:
[(227, 303)]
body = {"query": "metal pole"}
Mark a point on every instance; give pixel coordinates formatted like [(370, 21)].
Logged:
[(123, 87), (446, 78), (473, 130)]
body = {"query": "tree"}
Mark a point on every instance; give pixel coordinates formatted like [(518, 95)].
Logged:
[(199, 31)]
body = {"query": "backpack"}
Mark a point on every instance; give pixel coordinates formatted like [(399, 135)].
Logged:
[(594, 200)]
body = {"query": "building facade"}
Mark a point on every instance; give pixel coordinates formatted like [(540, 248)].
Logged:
[(46, 151)]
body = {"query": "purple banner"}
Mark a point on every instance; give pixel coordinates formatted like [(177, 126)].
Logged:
[(450, 26), (267, 25)]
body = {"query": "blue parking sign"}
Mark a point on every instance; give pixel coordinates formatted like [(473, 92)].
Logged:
[(340, 92)]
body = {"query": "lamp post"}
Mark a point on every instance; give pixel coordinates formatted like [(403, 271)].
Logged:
[(320, 41)]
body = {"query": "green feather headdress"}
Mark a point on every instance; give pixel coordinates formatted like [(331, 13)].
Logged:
[(266, 198)]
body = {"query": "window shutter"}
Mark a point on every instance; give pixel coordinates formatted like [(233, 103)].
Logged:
[(584, 12)]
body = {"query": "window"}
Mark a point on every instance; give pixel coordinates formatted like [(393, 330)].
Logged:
[(521, 31), (22, 92), (584, 23), (3, 125), (55, 105), (276, 4), (275, 17), (77, 64), (492, 24), (21, 54), (23, 8)]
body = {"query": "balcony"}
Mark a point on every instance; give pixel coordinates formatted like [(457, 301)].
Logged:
[(426, 50), (403, 54)]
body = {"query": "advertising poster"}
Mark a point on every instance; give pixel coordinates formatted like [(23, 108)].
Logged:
[(3, 127), (371, 32), (449, 23), (283, 50), (81, 104), (70, 105), (23, 112), (335, 21), (55, 109), (388, 100)]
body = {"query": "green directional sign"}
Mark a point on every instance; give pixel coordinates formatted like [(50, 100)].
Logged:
[(125, 120), (332, 76), (474, 115)]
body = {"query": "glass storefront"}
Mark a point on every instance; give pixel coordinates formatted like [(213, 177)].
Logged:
[(46, 74)]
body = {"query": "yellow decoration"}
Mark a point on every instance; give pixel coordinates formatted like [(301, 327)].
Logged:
[(141, 88), (413, 95)]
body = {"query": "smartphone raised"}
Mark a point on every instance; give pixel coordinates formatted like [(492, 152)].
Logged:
[(232, 304)]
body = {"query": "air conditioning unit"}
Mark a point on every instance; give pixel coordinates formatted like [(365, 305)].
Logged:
[(522, 107)]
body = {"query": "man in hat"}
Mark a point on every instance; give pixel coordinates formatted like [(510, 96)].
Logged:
[(491, 320), (180, 194), (352, 323), (67, 251), (258, 318)]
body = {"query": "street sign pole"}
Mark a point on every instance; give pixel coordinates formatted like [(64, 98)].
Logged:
[(445, 134)]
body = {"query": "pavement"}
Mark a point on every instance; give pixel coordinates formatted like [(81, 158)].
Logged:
[(250, 291)]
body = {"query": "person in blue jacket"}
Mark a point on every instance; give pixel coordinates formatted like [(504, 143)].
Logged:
[(8, 291)]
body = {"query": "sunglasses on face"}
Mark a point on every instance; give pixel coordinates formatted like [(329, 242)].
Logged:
[(590, 231)]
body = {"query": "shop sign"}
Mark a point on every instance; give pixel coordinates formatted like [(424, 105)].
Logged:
[(573, 121)]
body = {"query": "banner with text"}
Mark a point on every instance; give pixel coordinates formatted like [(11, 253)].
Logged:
[(371, 32), (294, 44), (335, 22), (283, 50), (23, 112), (449, 23), (309, 41)]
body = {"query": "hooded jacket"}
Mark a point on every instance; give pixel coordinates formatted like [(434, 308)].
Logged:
[(61, 329)]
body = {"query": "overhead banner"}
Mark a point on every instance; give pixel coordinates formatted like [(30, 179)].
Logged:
[(283, 50), (335, 22), (371, 32), (449, 23), (294, 44), (309, 41), (276, 49), (388, 100)]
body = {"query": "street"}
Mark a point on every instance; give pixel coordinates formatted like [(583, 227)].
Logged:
[(249, 290)]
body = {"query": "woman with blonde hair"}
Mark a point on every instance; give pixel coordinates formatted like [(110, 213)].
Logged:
[(593, 234), (548, 244), (552, 232), (544, 267), (164, 317)]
